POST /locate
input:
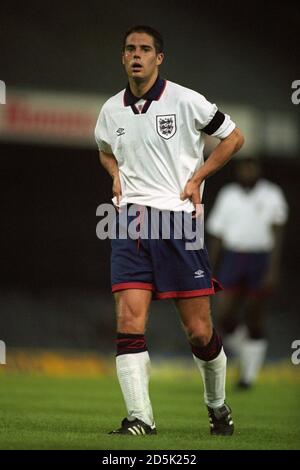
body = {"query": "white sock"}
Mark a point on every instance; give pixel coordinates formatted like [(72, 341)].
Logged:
[(133, 372), (213, 374), (252, 356), (233, 341)]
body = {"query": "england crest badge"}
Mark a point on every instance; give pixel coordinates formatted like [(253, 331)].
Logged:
[(166, 125)]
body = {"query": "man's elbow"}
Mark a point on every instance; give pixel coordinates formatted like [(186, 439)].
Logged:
[(235, 139), (239, 139)]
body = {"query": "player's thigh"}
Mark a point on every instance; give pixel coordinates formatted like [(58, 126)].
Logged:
[(255, 311), (195, 314), (132, 307), (227, 309), (227, 303)]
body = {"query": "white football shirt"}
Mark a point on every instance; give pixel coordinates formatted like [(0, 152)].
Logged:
[(158, 141), (244, 218)]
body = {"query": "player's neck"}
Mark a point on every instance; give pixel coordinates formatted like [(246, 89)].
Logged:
[(140, 87)]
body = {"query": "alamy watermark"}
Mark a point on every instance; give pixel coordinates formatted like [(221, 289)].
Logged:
[(295, 358), (2, 352), (296, 94), (2, 92), (139, 222)]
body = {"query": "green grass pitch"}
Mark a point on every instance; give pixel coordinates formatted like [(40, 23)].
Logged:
[(39, 412)]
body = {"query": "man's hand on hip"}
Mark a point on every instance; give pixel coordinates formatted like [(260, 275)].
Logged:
[(116, 188), (192, 191)]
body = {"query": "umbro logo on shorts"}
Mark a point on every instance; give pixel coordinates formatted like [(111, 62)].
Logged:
[(198, 273), (120, 131)]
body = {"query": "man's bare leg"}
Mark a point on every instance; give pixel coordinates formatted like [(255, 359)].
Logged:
[(254, 347), (206, 347), (246, 341), (132, 361), (210, 359), (233, 333)]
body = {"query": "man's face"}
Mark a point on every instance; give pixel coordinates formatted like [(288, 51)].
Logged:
[(247, 172), (140, 58)]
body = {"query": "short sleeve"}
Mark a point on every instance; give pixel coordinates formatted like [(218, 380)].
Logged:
[(210, 120), (280, 208), (217, 218), (102, 134)]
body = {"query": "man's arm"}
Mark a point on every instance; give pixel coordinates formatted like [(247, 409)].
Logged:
[(272, 276), (220, 155), (110, 164)]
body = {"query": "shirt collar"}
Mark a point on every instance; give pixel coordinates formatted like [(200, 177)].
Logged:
[(154, 93)]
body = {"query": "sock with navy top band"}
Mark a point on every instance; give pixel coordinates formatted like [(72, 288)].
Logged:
[(211, 362), (130, 343), (133, 370)]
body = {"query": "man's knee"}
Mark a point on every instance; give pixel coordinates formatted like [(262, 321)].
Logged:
[(228, 324), (255, 330), (199, 334), (255, 318), (196, 320)]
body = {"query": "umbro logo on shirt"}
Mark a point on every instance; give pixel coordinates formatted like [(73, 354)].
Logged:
[(198, 273), (120, 131)]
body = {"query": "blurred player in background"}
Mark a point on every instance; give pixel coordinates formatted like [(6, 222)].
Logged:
[(151, 139), (246, 227)]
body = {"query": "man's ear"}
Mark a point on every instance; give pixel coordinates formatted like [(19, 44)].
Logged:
[(160, 58), (122, 58)]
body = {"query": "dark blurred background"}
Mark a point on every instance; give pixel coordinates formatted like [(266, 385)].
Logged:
[(54, 272)]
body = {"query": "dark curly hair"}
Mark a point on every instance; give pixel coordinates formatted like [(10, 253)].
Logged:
[(157, 37)]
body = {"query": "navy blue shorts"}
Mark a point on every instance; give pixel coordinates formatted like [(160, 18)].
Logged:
[(163, 266), (243, 271)]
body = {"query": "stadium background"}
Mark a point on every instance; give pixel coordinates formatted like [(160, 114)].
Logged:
[(60, 57)]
